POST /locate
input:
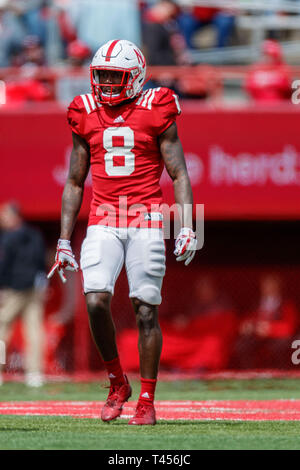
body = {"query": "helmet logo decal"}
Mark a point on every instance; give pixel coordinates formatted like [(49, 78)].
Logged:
[(139, 57), (110, 50)]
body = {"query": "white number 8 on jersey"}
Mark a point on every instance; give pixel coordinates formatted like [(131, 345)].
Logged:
[(114, 151)]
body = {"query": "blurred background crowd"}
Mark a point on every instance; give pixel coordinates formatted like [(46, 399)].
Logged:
[(64, 35), (233, 64)]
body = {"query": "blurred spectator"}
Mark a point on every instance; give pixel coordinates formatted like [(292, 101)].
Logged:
[(192, 19), (12, 32), (23, 284), (26, 90), (200, 339), (59, 313), (67, 29), (29, 87), (203, 82), (18, 19), (98, 21), (33, 14), (266, 333), (270, 80), (162, 39), (163, 42), (31, 53), (78, 53), (74, 82)]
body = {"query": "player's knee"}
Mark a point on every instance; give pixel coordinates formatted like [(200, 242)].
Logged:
[(98, 303), (146, 315)]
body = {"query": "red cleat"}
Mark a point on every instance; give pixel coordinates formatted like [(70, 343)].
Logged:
[(144, 414), (118, 395)]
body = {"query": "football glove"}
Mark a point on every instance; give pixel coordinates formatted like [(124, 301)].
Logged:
[(64, 259), (185, 245)]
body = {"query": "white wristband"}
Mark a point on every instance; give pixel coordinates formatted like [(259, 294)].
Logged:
[(186, 231), (64, 244)]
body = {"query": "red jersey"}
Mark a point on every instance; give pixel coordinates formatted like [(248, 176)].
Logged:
[(124, 152)]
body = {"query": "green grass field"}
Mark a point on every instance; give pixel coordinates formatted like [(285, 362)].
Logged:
[(50, 432)]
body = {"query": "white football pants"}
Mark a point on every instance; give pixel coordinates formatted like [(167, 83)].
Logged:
[(104, 251)]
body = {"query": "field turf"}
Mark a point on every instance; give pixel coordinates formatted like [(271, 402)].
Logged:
[(66, 432)]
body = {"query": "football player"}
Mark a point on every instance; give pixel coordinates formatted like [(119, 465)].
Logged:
[(126, 136)]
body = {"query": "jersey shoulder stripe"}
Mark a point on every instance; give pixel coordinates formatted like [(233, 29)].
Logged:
[(92, 101), (86, 103), (177, 103), (89, 103), (147, 98), (141, 98)]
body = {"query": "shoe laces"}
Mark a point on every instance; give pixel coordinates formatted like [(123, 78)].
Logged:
[(113, 394), (142, 408)]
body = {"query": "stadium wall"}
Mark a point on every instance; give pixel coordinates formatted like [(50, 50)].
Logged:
[(243, 163)]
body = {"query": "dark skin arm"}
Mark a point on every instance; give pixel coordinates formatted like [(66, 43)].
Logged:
[(73, 191), (172, 154)]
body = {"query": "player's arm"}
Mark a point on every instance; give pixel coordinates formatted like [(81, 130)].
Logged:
[(71, 203), (73, 190), (173, 156)]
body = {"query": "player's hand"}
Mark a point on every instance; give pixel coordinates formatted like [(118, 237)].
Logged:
[(185, 245), (64, 259)]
